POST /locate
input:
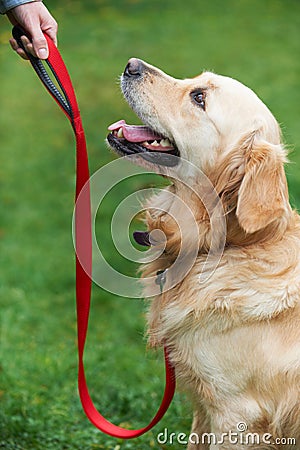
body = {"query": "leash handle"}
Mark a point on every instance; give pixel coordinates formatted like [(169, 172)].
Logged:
[(38, 66), (83, 238)]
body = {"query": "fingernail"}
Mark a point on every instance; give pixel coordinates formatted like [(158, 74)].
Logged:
[(42, 53)]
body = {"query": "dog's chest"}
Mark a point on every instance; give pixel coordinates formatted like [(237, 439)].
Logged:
[(215, 365), (218, 331)]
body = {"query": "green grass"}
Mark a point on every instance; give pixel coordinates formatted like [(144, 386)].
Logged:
[(257, 42)]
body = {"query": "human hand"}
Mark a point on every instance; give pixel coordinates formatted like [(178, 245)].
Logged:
[(35, 19)]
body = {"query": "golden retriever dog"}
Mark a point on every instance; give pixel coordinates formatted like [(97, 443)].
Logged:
[(234, 334)]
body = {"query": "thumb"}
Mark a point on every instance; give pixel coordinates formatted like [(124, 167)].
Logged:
[(39, 44)]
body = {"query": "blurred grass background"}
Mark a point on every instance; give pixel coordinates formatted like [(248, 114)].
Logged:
[(255, 41)]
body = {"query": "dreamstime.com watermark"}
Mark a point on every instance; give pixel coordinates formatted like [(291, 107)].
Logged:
[(239, 436)]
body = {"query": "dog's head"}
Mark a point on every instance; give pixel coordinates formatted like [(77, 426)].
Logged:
[(218, 125)]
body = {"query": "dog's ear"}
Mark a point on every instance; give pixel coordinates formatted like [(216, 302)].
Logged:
[(263, 193)]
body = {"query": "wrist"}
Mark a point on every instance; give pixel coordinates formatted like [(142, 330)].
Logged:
[(8, 5)]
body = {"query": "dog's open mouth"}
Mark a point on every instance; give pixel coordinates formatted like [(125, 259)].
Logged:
[(139, 139)]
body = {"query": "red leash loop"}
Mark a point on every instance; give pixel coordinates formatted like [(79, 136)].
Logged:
[(83, 240)]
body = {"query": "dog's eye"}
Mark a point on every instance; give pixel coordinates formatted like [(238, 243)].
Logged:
[(199, 98)]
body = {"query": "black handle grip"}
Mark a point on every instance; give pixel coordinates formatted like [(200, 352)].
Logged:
[(17, 33), (39, 67)]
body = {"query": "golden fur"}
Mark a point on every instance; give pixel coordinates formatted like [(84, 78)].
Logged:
[(235, 337)]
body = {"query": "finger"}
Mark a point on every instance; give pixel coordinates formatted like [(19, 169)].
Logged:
[(40, 45), (21, 53), (25, 40), (28, 45), (13, 43), (17, 49)]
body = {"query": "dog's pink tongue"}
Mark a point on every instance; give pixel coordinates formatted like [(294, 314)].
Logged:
[(135, 133)]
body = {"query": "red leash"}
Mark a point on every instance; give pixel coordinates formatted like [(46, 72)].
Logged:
[(83, 240)]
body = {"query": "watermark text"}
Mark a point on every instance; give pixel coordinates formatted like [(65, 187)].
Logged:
[(239, 436)]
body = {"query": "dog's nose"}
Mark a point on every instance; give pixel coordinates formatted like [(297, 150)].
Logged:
[(134, 68)]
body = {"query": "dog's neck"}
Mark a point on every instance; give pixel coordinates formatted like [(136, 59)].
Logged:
[(168, 213)]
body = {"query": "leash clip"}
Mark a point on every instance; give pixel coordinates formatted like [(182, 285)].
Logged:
[(161, 278)]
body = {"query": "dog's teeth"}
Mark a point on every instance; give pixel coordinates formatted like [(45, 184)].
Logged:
[(165, 143), (155, 144), (120, 133)]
